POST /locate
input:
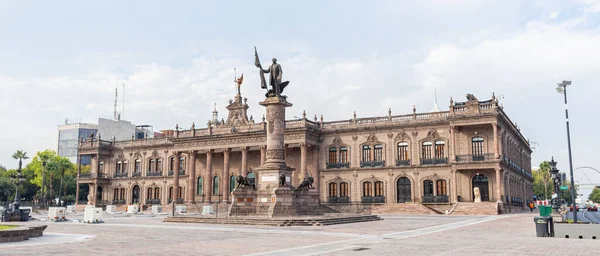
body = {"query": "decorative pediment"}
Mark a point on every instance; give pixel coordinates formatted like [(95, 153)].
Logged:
[(372, 139), (337, 141), (237, 112), (433, 135), (402, 136), (155, 154), (120, 157), (137, 155)]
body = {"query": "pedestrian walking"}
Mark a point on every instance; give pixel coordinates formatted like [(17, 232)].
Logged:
[(531, 206)]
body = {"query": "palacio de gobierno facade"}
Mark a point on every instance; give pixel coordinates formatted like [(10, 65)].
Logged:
[(435, 158)]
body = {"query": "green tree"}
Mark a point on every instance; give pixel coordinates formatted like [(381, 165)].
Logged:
[(20, 155), (595, 195), (54, 170), (542, 182)]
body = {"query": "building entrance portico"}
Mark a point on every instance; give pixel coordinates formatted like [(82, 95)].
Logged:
[(403, 190)]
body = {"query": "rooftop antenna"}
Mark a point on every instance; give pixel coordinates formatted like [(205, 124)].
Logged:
[(123, 106), (115, 109)]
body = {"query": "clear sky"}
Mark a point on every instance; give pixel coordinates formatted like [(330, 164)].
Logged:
[(63, 59)]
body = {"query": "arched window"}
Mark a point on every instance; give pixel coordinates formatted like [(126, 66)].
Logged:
[(477, 148), (366, 153), (122, 196), (441, 189), (428, 188), (379, 189), (367, 189), (439, 149), (231, 183), (426, 150), (101, 167), (344, 189), (343, 154), (149, 194), (119, 167), (138, 166), (156, 193), (332, 155), (125, 170), (179, 193), (332, 192), (402, 151), (199, 186), (172, 164), (378, 153), (215, 185), (170, 193)]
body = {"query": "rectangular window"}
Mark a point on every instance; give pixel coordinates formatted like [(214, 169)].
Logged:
[(366, 153), (402, 151), (332, 155), (124, 170), (138, 165), (378, 153), (119, 167), (428, 187), (378, 188), (441, 187), (439, 149), (426, 150), (367, 189), (159, 165), (343, 189), (343, 155), (332, 190), (101, 167)]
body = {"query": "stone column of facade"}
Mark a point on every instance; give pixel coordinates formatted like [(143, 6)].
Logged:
[(303, 160), (415, 157), (454, 186), (453, 141), (244, 171), (94, 164), (263, 154), (417, 188), (390, 148), (175, 175), (191, 177), (209, 174), (355, 153), (78, 165), (496, 154), (285, 150), (226, 183), (498, 184), (316, 175)]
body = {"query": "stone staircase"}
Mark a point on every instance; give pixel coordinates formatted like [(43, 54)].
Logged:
[(469, 208), (406, 208), (319, 221)]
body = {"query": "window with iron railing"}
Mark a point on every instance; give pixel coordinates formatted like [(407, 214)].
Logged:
[(332, 191), (367, 189), (344, 189), (366, 153), (441, 187), (379, 189)]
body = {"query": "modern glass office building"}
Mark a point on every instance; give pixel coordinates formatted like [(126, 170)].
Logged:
[(68, 139)]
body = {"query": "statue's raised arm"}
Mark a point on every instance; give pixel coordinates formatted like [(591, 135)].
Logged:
[(275, 76)]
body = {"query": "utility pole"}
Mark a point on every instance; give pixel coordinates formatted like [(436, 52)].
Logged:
[(562, 88)]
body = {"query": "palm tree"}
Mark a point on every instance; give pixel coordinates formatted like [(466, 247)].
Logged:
[(20, 155), (63, 164), (45, 159)]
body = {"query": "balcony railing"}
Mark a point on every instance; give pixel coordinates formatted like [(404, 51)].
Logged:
[(373, 199), (338, 199), (153, 174), (120, 175), (474, 158), (93, 175), (115, 202), (516, 167), (435, 199), (434, 161), (136, 174), (178, 201), (372, 164), (152, 201), (337, 165), (182, 172), (400, 162)]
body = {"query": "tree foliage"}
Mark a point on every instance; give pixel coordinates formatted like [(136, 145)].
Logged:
[(595, 195)]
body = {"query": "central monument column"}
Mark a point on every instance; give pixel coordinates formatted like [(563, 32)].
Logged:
[(269, 174)]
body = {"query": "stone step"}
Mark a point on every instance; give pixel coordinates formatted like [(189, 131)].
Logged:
[(276, 222)]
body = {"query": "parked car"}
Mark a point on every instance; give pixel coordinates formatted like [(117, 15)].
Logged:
[(576, 206), (592, 208)]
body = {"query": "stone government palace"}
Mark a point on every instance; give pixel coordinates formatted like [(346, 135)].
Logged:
[(434, 159)]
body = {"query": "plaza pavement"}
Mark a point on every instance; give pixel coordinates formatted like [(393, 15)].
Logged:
[(512, 234)]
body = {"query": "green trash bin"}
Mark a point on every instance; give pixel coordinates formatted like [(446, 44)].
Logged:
[(545, 210)]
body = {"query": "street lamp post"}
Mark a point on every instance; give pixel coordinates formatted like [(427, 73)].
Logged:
[(562, 88), (19, 180)]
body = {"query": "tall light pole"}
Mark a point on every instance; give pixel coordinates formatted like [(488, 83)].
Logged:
[(555, 180), (562, 88)]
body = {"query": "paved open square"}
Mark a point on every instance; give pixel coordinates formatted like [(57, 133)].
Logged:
[(512, 234)]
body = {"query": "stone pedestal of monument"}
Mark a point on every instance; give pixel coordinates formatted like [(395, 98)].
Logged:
[(271, 195)]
